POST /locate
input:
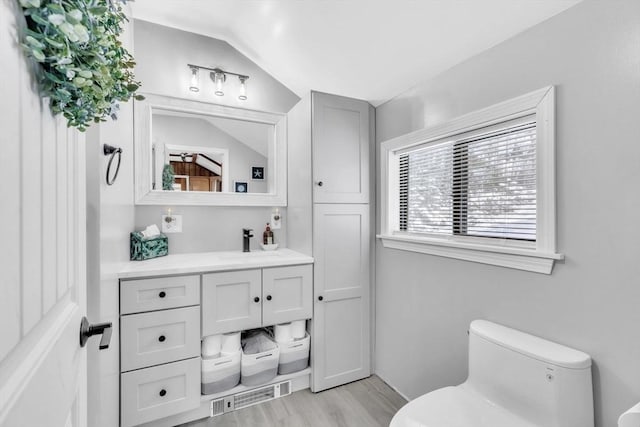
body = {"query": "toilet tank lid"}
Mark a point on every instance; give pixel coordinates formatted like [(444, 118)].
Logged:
[(530, 345)]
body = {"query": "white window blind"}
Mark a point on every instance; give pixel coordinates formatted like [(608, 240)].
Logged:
[(481, 184)]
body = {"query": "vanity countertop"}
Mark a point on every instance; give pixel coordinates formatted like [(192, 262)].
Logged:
[(203, 262)]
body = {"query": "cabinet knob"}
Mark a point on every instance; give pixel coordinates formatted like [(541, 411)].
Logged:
[(256, 299), (320, 183), (320, 298), (161, 338), (268, 297), (162, 294), (162, 393)]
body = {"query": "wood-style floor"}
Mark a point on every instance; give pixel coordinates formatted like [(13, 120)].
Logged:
[(366, 403)]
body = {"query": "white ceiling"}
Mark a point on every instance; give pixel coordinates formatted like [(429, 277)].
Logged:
[(367, 49)]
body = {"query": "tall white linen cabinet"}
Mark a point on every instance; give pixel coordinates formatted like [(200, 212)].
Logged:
[(329, 192)]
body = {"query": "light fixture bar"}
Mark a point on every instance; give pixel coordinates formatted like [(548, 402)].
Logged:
[(217, 70), (218, 76)]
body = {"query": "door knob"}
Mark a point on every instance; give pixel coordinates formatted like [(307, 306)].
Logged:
[(87, 330), (320, 183), (320, 298), (256, 299), (268, 297)]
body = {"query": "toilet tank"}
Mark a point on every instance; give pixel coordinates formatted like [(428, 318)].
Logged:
[(545, 383)]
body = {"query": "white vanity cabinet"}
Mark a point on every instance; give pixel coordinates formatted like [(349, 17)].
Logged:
[(168, 304), (238, 300), (159, 347)]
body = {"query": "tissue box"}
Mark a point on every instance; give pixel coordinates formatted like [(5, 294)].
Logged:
[(146, 248)]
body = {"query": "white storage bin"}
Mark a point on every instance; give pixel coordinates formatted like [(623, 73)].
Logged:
[(220, 374), (260, 367), (294, 355)]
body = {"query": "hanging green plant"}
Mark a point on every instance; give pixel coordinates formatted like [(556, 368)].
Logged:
[(86, 71)]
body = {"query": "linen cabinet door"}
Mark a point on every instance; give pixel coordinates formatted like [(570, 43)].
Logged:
[(341, 295), (231, 301), (287, 294), (340, 135)]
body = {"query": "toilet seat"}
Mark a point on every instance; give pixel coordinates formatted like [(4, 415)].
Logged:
[(455, 407)]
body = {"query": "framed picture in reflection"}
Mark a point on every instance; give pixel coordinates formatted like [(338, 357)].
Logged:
[(240, 186), (257, 173)]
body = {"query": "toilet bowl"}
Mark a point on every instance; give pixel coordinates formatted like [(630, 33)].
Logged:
[(515, 380)]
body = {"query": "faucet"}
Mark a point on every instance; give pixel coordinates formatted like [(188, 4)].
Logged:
[(246, 235)]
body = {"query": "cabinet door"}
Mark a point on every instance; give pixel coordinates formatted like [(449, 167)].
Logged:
[(286, 294), (231, 301), (341, 295), (340, 134)]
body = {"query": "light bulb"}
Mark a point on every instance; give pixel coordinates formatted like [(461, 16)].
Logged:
[(243, 89), (194, 80), (219, 78)]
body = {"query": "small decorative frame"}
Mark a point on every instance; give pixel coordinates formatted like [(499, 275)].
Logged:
[(240, 186), (257, 173)]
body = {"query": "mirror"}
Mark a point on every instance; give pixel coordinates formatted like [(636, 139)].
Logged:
[(194, 153)]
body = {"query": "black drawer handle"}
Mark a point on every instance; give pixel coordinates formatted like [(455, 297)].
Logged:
[(256, 299), (320, 298), (161, 338), (163, 392), (162, 294), (268, 297)]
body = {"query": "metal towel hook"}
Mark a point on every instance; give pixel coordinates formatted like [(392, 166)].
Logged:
[(109, 149)]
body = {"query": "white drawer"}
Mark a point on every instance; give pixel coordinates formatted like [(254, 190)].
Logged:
[(137, 296), (158, 337), (153, 393)]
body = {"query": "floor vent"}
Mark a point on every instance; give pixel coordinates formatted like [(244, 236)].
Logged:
[(249, 398), (217, 407)]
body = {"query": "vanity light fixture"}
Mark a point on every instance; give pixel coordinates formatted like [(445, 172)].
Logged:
[(195, 79), (243, 88), (219, 77)]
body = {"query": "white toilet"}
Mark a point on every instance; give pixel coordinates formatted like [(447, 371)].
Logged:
[(515, 380)]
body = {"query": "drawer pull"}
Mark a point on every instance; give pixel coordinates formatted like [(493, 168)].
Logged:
[(256, 299), (161, 338), (162, 294), (163, 392), (268, 297)]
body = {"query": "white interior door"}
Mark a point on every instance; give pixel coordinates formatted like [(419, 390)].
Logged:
[(42, 254), (341, 293)]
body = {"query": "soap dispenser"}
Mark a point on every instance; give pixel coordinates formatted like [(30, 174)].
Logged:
[(267, 236)]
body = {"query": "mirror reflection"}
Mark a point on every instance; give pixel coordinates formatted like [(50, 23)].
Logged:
[(202, 153)]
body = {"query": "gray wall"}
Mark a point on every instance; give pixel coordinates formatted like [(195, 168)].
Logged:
[(110, 219), (591, 302), (162, 55)]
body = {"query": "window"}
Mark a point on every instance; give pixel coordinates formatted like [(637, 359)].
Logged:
[(478, 188)]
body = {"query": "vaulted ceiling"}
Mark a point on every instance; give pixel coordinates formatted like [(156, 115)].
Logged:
[(367, 49)]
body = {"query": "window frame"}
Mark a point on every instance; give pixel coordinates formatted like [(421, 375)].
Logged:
[(538, 256)]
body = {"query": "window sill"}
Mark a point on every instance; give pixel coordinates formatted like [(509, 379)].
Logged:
[(521, 259)]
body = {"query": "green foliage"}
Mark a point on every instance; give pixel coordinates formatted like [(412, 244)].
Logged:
[(167, 177), (86, 71)]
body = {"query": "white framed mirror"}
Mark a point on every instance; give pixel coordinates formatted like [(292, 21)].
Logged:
[(195, 153)]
